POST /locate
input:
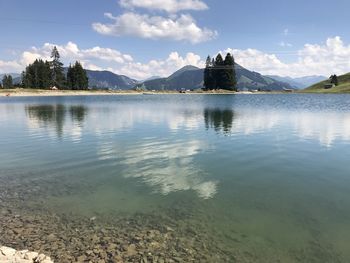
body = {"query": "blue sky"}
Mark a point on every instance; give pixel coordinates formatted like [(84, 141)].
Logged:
[(142, 38)]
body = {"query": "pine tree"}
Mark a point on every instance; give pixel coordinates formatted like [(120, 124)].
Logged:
[(209, 79), (219, 72), (76, 77), (37, 75), (7, 82), (70, 77), (81, 76), (229, 81), (334, 80), (58, 78)]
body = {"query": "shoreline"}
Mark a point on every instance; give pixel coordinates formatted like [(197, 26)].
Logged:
[(49, 93), (54, 93)]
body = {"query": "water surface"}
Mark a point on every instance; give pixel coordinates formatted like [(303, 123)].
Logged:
[(267, 176)]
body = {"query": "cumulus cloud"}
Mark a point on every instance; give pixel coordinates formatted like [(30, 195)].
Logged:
[(161, 67), (313, 59), (10, 67), (99, 58), (179, 28), (170, 6)]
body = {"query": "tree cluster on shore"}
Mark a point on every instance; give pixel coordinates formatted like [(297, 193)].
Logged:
[(334, 80), (7, 82), (220, 73), (47, 74)]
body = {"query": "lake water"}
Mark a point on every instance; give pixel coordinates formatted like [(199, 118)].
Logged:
[(266, 178)]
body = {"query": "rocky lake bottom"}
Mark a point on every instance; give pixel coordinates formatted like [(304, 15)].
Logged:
[(107, 238)]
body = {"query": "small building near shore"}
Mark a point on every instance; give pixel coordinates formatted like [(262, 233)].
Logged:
[(329, 85)]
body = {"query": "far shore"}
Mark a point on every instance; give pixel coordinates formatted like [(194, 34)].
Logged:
[(39, 92)]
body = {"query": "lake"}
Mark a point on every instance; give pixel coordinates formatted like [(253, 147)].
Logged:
[(177, 178)]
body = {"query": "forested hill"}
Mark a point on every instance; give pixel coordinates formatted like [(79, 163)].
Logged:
[(191, 77)]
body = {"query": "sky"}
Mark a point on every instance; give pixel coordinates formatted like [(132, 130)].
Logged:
[(144, 38)]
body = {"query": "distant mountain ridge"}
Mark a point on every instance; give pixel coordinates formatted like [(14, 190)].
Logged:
[(97, 79), (301, 82), (109, 80), (190, 77)]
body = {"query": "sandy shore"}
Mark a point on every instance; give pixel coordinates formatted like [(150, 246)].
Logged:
[(37, 92)]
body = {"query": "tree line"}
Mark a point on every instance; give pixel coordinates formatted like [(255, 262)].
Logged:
[(7, 82), (220, 73), (48, 74)]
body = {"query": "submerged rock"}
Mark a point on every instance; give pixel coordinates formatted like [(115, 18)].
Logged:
[(10, 255)]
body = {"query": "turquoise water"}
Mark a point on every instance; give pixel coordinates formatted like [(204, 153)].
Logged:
[(267, 176)]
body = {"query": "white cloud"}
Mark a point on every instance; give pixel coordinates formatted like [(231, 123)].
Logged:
[(313, 59), (10, 67), (170, 6), (179, 28), (98, 58), (286, 32), (160, 67)]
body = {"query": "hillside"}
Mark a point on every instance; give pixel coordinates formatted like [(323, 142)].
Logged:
[(191, 77), (107, 79), (97, 79), (301, 82), (343, 87)]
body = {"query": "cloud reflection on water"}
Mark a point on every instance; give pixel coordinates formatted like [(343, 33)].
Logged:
[(169, 165), (165, 166)]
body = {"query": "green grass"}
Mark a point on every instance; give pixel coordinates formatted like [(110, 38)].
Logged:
[(343, 87)]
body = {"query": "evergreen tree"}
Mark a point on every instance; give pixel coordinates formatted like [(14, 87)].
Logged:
[(334, 80), (209, 79), (81, 76), (76, 77), (70, 77), (7, 82), (37, 75), (229, 80), (23, 79), (219, 72), (58, 78)]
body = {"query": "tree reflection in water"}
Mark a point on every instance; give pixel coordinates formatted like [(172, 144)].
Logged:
[(220, 120), (54, 116)]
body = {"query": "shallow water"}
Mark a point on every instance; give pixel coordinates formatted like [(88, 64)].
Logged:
[(267, 176)]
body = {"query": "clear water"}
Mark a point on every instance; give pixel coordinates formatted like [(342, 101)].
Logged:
[(266, 175)]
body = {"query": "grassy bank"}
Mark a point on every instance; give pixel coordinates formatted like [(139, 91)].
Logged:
[(343, 87)]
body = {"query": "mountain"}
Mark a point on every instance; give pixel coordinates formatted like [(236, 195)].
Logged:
[(343, 87), (97, 79), (299, 83), (109, 80), (191, 77), (151, 78)]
